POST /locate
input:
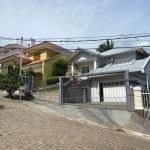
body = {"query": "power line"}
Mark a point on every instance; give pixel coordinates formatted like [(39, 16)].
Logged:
[(94, 48), (91, 37), (94, 40), (83, 40)]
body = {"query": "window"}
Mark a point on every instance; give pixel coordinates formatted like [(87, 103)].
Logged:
[(85, 69), (36, 57)]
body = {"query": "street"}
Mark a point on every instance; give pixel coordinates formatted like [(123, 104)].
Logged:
[(26, 128)]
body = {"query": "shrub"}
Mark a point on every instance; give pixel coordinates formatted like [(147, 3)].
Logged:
[(52, 80), (10, 81), (60, 67), (29, 72)]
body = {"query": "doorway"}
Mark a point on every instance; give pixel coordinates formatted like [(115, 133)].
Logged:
[(84, 94), (101, 92)]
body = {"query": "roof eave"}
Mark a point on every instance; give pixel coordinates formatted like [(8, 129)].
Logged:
[(145, 64)]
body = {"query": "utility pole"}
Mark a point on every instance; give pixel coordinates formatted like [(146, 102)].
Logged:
[(21, 54)]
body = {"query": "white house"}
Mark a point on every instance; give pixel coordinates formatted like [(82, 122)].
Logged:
[(113, 76)]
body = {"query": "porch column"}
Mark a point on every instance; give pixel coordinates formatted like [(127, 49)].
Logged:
[(72, 69), (43, 73), (60, 90), (138, 98), (95, 64), (147, 82)]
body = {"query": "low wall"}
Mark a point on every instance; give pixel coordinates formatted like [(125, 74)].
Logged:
[(50, 96)]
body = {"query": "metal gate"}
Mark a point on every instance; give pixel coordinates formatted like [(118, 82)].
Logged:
[(114, 92), (107, 88), (28, 84)]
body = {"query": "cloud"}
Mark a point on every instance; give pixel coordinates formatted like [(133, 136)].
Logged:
[(145, 43)]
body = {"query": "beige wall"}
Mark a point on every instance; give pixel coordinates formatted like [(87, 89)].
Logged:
[(137, 98), (31, 57), (43, 56)]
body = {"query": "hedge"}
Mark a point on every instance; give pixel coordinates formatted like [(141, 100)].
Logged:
[(52, 80)]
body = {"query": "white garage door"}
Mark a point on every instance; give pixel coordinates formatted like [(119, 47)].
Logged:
[(116, 93)]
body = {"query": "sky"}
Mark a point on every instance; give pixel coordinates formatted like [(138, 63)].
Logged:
[(74, 18)]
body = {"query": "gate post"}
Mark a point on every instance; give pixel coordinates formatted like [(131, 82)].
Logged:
[(61, 90), (128, 92)]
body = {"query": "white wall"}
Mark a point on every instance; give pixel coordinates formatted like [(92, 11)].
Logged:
[(95, 92), (89, 63)]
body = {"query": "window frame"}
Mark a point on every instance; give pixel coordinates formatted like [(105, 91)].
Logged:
[(85, 69)]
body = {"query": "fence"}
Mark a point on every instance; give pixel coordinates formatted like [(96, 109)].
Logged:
[(109, 91), (146, 99)]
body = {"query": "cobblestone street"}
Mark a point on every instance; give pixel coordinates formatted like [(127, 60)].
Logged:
[(25, 128)]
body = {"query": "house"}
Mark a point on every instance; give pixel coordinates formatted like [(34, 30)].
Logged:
[(84, 61), (116, 76), (43, 55), (10, 56)]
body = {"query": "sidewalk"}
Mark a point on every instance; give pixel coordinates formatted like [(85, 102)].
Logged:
[(109, 119), (120, 120)]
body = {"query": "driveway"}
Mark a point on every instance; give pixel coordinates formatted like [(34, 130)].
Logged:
[(23, 127)]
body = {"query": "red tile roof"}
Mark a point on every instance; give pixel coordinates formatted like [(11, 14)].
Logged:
[(48, 45)]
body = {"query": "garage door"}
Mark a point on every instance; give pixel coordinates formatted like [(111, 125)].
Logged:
[(115, 93)]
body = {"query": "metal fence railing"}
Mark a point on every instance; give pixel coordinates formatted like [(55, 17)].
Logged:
[(146, 99)]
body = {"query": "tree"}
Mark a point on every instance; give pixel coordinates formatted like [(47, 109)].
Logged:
[(10, 81), (106, 46), (60, 67), (29, 72)]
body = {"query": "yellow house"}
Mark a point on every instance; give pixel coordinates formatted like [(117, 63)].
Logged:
[(43, 55)]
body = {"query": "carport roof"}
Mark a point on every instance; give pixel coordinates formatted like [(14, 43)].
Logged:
[(134, 66)]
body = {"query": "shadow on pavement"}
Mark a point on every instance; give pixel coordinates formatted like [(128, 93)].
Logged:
[(18, 97), (2, 106)]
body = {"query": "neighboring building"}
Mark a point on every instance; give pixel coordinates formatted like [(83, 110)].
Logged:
[(115, 76), (43, 55), (40, 57), (10, 55)]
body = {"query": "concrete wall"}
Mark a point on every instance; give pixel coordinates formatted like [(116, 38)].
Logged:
[(138, 79), (50, 96), (95, 92), (138, 98)]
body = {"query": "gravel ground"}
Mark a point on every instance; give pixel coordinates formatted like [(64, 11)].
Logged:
[(27, 128)]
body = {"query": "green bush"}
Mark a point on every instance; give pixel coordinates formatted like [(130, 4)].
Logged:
[(29, 72), (60, 67), (52, 80)]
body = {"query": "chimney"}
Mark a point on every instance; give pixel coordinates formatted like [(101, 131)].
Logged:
[(32, 42)]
